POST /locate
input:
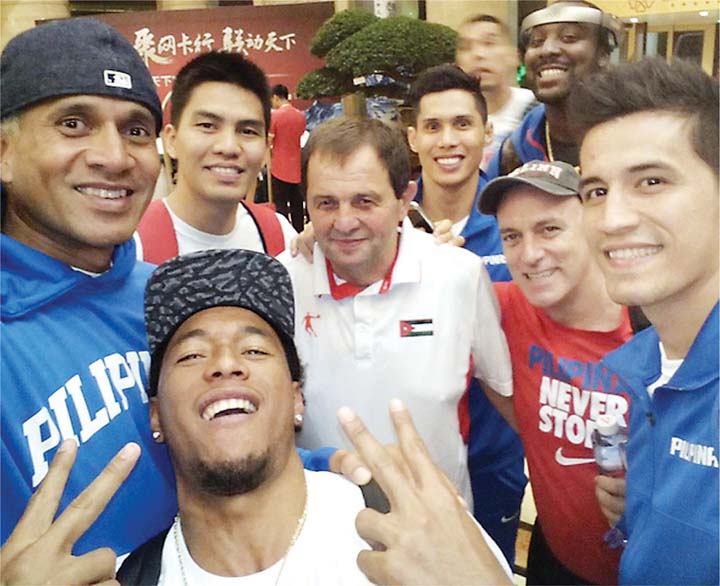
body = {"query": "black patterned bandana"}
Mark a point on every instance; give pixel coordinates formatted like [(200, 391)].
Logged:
[(187, 284)]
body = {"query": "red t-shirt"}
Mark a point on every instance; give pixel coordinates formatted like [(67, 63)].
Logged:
[(558, 392), (287, 124)]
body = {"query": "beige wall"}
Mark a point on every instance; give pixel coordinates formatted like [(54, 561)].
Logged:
[(17, 16), (184, 4), (275, 2)]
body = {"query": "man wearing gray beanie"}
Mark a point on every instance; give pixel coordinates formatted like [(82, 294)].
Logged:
[(80, 117)]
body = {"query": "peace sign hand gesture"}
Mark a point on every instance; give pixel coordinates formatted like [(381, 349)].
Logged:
[(39, 550), (428, 537)]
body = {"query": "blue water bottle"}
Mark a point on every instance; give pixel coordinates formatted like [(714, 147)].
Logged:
[(609, 444)]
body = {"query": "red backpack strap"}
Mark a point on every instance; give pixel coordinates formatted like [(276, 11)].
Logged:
[(157, 234), (268, 225)]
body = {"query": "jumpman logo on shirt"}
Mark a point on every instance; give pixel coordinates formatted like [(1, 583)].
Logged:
[(308, 323)]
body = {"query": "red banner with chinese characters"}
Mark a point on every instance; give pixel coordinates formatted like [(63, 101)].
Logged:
[(277, 38)]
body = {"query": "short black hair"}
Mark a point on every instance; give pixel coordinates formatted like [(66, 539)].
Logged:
[(280, 90), (442, 78), (230, 68), (653, 85)]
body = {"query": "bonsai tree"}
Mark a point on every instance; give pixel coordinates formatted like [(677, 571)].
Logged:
[(327, 81), (356, 43), (324, 82), (400, 46), (339, 27)]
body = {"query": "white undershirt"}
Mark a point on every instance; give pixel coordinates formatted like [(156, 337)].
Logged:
[(507, 119), (459, 226), (325, 551), (668, 368), (89, 273), (244, 234)]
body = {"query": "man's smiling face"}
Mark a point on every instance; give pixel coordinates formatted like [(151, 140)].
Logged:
[(226, 400), (544, 244), (557, 55), (449, 137), (79, 172), (651, 210), (220, 142)]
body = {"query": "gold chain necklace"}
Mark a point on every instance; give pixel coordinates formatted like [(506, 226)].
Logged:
[(548, 144), (298, 530)]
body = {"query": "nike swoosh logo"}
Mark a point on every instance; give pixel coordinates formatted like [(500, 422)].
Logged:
[(565, 461), (505, 519)]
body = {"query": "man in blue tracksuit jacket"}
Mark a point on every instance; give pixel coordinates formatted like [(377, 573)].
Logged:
[(652, 214), (449, 136), (528, 144), (74, 359), (672, 480), (89, 333), (481, 234)]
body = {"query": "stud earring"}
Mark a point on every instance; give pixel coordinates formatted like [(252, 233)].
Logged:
[(157, 436), (298, 419)]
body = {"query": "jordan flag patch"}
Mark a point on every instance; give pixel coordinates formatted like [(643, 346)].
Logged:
[(409, 328)]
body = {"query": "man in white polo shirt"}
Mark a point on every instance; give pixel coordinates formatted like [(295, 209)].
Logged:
[(383, 311)]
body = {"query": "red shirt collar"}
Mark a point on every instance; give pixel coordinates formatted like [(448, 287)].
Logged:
[(345, 290)]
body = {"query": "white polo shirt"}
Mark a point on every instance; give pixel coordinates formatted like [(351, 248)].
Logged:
[(414, 341)]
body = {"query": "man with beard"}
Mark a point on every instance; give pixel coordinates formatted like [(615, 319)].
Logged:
[(562, 43), (225, 398)]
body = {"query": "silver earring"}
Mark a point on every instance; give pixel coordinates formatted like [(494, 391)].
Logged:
[(298, 419), (157, 436)]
